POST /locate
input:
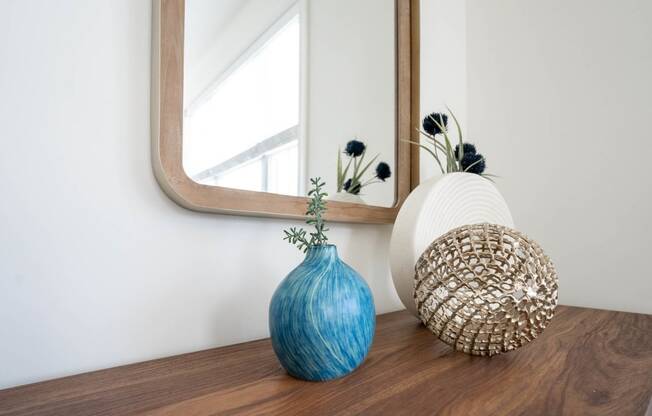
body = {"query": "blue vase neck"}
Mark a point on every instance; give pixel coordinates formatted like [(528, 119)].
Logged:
[(324, 253)]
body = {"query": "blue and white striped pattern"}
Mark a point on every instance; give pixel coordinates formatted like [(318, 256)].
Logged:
[(322, 317)]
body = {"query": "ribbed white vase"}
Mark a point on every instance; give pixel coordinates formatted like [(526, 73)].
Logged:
[(434, 208), (346, 197)]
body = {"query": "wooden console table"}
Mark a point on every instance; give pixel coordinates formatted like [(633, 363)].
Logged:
[(587, 362)]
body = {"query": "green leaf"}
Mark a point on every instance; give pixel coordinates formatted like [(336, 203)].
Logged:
[(314, 213), (450, 159), (473, 164), (357, 163), (340, 177), (357, 178), (429, 151), (459, 133), (346, 171), (434, 140)]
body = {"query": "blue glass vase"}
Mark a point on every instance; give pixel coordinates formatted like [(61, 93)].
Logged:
[(322, 317)]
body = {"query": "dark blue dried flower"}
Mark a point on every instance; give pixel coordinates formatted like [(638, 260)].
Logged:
[(383, 171), (354, 148), (475, 161), (355, 190), (469, 149), (429, 125)]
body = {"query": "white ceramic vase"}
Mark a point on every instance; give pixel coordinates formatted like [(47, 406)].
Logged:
[(346, 197), (433, 208)]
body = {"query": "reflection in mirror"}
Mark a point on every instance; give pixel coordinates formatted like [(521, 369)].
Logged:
[(273, 88)]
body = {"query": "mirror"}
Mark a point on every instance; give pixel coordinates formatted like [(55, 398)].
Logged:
[(252, 98), (273, 90)]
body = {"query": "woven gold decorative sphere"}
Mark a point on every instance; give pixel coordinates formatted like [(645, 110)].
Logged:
[(485, 289)]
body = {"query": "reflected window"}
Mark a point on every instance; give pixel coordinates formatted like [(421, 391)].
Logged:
[(243, 131)]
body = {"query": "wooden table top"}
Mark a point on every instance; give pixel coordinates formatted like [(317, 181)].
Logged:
[(586, 362)]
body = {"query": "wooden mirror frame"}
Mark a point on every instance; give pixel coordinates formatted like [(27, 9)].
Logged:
[(167, 119)]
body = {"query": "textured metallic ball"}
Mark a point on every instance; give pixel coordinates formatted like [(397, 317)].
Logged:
[(485, 289)]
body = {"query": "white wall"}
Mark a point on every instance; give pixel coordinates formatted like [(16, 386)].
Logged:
[(556, 95), (559, 99), (97, 266), (443, 66)]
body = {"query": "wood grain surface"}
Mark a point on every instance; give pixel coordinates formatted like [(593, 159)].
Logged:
[(587, 362)]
